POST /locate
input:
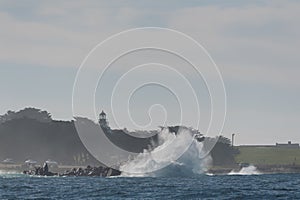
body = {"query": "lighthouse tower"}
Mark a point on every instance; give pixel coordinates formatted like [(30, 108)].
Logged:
[(103, 121)]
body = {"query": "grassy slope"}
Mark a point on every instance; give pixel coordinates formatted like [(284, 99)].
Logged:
[(268, 155)]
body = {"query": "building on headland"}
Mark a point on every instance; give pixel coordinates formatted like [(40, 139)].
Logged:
[(103, 121), (288, 145)]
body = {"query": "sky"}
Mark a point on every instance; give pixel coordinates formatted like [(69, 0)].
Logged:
[(255, 45)]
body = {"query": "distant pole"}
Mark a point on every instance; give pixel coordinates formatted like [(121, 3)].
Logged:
[(232, 139)]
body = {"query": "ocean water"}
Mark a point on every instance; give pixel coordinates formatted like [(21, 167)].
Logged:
[(177, 176), (275, 186)]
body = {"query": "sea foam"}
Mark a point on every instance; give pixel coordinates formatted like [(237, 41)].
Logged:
[(176, 155), (250, 170)]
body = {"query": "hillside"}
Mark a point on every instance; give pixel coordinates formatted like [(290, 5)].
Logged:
[(268, 155), (33, 134)]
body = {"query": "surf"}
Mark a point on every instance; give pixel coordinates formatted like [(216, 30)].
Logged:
[(249, 170), (176, 155)]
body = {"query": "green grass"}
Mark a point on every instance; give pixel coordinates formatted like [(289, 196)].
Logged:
[(268, 155)]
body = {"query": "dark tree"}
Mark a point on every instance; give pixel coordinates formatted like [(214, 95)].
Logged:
[(30, 113)]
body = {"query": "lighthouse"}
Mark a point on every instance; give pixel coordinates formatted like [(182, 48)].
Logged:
[(103, 121)]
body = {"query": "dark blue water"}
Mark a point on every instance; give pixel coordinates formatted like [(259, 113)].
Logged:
[(279, 186)]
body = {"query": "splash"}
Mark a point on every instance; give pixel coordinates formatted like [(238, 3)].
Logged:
[(9, 174), (250, 170), (176, 155), (3, 172)]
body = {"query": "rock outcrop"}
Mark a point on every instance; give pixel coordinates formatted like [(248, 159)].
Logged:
[(88, 171)]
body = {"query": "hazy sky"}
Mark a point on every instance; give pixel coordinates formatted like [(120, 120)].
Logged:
[(255, 45)]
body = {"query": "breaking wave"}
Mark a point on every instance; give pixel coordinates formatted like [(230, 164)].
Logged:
[(9, 174), (250, 170), (176, 155)]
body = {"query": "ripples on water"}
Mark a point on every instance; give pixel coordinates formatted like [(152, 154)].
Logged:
[(283, 186)]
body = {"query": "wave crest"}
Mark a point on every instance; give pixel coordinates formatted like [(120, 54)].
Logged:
[(166, 161)]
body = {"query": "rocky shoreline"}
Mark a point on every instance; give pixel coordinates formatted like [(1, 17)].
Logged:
[(102, 171), (76, 172)]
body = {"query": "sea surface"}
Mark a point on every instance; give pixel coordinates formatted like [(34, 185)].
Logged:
[(274, 186)]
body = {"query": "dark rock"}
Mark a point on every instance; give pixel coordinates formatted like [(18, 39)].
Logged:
[(88, 171), (40, 171)]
